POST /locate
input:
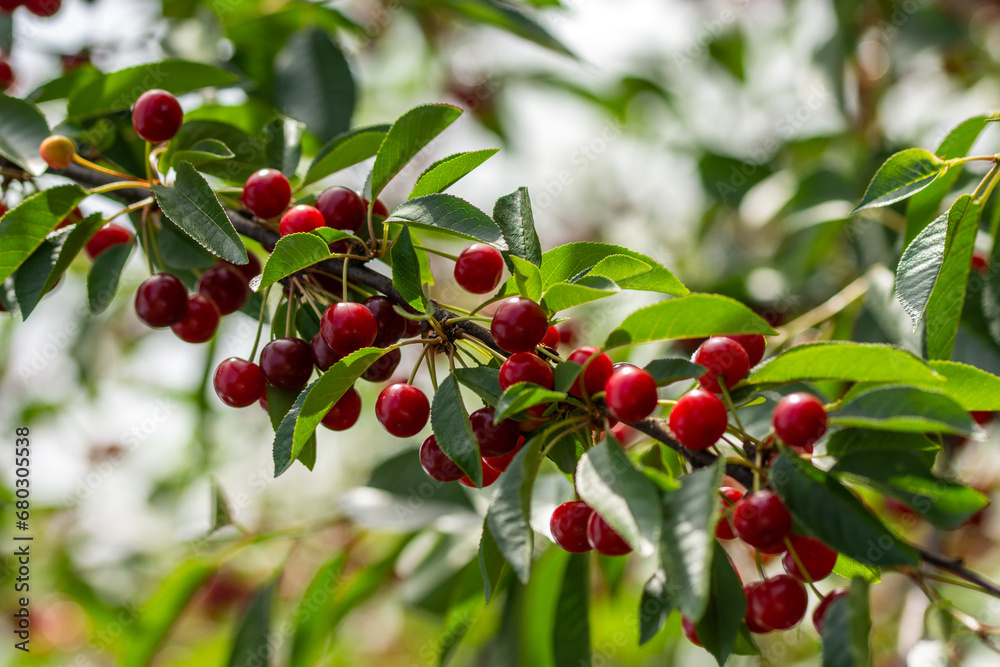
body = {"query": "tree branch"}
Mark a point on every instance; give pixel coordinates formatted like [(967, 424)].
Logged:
[(957, 567)]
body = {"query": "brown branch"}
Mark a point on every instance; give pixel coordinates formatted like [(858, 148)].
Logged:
[(957, 567)]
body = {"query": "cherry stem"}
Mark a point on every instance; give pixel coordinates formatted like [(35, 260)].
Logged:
[(144, 228), (118, 185), (260, 322), (435, 251), (416, 367), (304, 290), (430, 351), (84, 162), (132, 208), (290, 314), (149, 164)]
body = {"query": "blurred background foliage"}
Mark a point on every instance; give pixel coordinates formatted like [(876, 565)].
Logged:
[(727, 139)]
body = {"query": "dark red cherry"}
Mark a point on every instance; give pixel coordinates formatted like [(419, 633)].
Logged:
[(779, 603), (519, 325), (489, 476), (603, 539), (348, 327), (568, 526), (199, 322), (436, 464), (345, 412), (239, 382), (226, 287), (157, 116), (384, 367), (342, 209), (391, 324), (161, 300), (323, 356), (287, 363), (493, 439), (402, 409), (761, 520), (267, 193), (525, 367), (817, 559)]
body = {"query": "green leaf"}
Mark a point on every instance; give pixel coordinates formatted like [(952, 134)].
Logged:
[(527, 278), (295, 252), (671, 369), (620, 267), (203, 152), (850, 440), (491, 562), (105, 272), (689, 517), (834, 515), (565, 375), (904, 174), (22, 130), (31, 278), (848, 568), (571, 631), (561, 296), (317, 604), (846, 627), (284, 144), (465, 608), (905, 409), (448, 214), (691, 316), (919, 267), (24, 227), (453, 431), (846, 361), (279, 402), (508, 517), (313, 83), (249, 153), (252, 646), (344, 150), (192, 205), (447, 171), (655, 606), (119, 90), (222, 515), (971, 387), (512, 214), (621, 494), (521, 396), (510, 18), (408, 135), (406, 270), (727, 606), (483, 380)]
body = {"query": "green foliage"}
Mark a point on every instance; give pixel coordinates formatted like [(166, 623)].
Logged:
[(22, 130)]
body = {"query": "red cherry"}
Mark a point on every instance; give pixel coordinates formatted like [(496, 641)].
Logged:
[(342, 209), (501, 463), (722, 357), (199, 322), (525, 367), (345, 412), (227, 288), (631, 394), (412, 328), (799, 420), (402, 409), (323, 356), (493, 439), (761, 520), (699, 419), (603, 539), (239, 382), (568, 526), (378, 211), (161, 300), (753, 344), (552, 338), (817, 559), (156, 116), (519, 325), (436, 464), (690, 631), (107, 236), (287, 363), (267, 193), (983, 417), (778, 603), (391, 324), (249, 270), (43, 8), (730, 496), (752, 625), (299, 219), (568, 332), (479, 268), (384, 367), (597, 370), (819, 614), (10, 5), (348, 327), (489, 476)]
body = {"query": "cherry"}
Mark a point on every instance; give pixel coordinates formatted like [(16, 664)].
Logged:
[(107, 236), (980, 262), (161, 300), (752, 624), (7, 78), (799, 420), (267, 193), (568, 526), (348, 327), (753, 344), (412, 328), (323, 356), (730, 496), (43, 8), (379, 210), (501, 463), (227, 288), (631, 394), (10, 5), (603, 539), (982, 417), (57, 151), (819, 614), (287, 363), (519, 325), (536, 418), (525, 367), (761, 520), (690, 631), (817, 559), (342, 209), (436, 463), (345, 412), (568, 332), (391, 324), (199, 322), (156, 116), (778, 603), (489, 476), (699, 419), (595, 373), (402, 409), (249, 270), (301, 218), (493, 439), (239, 382), (479, 268), (552, 338), (722, 357), (384, 367)]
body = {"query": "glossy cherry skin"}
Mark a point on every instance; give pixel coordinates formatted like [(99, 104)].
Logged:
[(730, 496), (631, 394), (752, 625), (761, 520), (722, 357), (753, 344), (43, 8), (156, 116), (479, 268), (323, 356), (249, 270), (391, 324), (525, 367), (161, 300), (57, 151), (267, 193), (568, 526), (817, 559), (345, 412), (402, 409), (690, 631), (819, 614), (489, 476), (239, 382), (603, 539), (227, 288), (596, 372), (778, 603), (287, 363), (436, 463), (699, 419), (501, 463), (107, 236), (342, 209), (552, 338), (384, 367), (800, 420), (199, 322), (299, 219), (493, 439), (519, 325), (348, 327)]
